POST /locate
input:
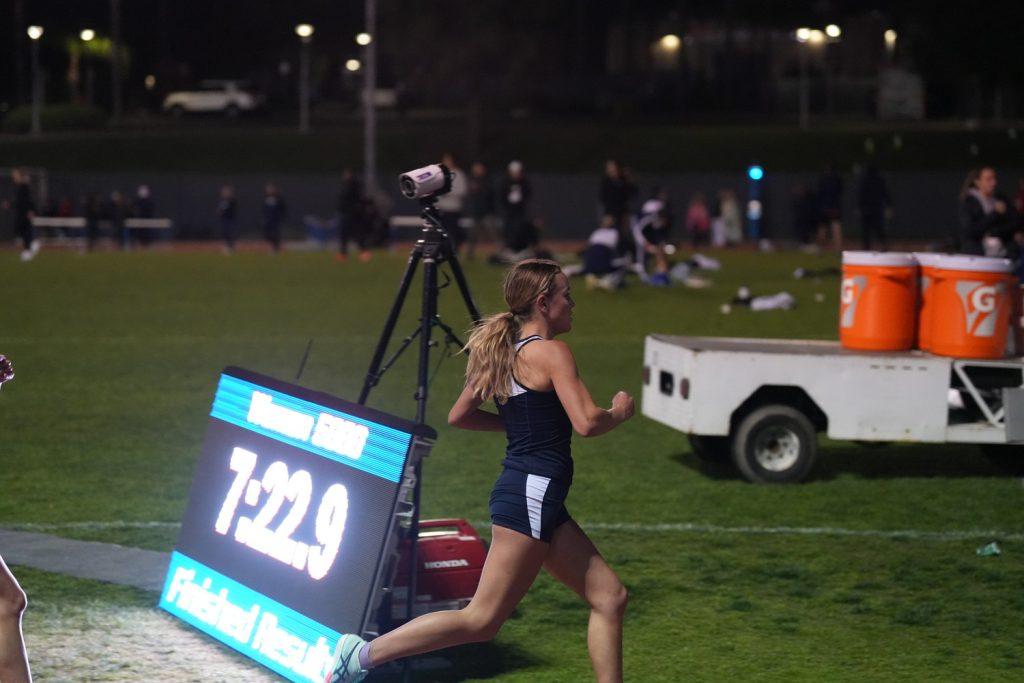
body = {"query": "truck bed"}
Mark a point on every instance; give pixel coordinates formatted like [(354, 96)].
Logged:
[(696, 384)]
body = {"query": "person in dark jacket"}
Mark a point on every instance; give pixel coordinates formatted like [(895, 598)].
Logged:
[(982, 213), (274, 211), (479, 206), (352, 222), (24, 211), (875, 206), (615, 193), (514, 197), (93, 210), (227, 211)]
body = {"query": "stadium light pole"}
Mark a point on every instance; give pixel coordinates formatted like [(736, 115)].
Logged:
[(90, 72), (305, 34), (34, 34), (803, 35), (115, 60), (369, 43)]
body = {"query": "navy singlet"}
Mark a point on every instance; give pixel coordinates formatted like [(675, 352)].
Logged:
[(538, 430), (530, 493)]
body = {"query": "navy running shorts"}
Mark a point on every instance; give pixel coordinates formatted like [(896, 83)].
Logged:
[(529, 503)]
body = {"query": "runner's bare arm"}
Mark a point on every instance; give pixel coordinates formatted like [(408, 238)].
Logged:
[(588, 419), (466, 414)]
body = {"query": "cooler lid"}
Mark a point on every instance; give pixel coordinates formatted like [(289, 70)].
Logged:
[(926, 258), (896, 259), (981, 264)]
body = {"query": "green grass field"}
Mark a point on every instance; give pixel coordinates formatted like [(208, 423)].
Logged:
[(117, 356)]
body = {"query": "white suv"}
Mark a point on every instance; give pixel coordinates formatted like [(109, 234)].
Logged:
[(226, 97)]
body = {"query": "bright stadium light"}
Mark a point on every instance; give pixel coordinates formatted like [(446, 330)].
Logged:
[(833, 31), (803, 34), (35, 32), (353, 65), (364, 38), (87, 34), (305, 34), (670, 42)]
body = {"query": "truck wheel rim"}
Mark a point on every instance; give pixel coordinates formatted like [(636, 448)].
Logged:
[(776, 449)]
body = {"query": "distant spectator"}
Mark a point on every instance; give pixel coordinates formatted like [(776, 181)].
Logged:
[(117, 211), (144, 208), (875, 206), (698, 220), (651, 235), (227, 213), (24, 211), (805, 216), (93, 211), (830, 207), (479, 206), (727, 226), (274, 211), (451, 204), (514, 198), (982, 214), (602, 266), (615, 193), (352, 224)]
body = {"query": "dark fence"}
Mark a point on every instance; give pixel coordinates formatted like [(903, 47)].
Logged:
[(925, 202)]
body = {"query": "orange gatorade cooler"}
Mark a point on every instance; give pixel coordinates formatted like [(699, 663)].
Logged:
[(971, 303), (878, 301), (924, 311)]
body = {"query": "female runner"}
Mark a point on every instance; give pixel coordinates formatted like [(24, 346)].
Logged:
[(515, 360)]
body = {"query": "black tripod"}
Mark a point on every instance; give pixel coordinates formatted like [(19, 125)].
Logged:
[(433, 248)]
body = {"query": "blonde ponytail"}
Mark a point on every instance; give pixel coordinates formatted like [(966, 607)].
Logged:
[(491, 344), (491, 349)]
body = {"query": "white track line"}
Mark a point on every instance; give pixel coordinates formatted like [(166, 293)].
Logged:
[(669, 527)]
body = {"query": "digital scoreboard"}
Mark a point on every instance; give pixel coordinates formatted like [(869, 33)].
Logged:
[(290, 518)]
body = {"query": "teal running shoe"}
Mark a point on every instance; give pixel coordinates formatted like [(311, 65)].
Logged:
[(345, 668)]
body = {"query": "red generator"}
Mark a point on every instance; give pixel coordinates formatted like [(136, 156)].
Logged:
[(451, 557)]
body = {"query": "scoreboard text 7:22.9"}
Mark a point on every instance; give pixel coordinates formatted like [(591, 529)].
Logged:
[(289, 516)]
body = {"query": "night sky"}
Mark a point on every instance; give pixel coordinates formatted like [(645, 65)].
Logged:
[(183, 41)]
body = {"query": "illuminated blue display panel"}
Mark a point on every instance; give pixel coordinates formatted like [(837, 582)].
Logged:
[(289, 514)]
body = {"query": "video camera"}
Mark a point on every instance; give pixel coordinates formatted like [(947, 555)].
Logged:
[(427, 183)]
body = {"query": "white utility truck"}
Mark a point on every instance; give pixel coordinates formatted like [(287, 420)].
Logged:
[(762, 402)]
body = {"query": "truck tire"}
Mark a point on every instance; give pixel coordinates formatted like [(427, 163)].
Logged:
[(713, 449), (775, 444), (1008, 459)]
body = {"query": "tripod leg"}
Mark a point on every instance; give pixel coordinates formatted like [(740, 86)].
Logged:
[(460, 279), (373, 374)]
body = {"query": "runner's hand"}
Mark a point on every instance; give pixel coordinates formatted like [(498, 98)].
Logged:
[(622, 405)]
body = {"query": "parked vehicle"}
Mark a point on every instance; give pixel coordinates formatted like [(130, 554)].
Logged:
[(225, 97), (762, 402)]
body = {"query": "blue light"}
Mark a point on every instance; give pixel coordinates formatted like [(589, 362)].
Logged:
[(755, 172)]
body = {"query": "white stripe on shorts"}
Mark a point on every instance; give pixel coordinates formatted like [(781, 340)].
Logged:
[(536, 487)]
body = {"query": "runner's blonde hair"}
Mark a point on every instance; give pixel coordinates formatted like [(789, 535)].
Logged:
[(491, 344)]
